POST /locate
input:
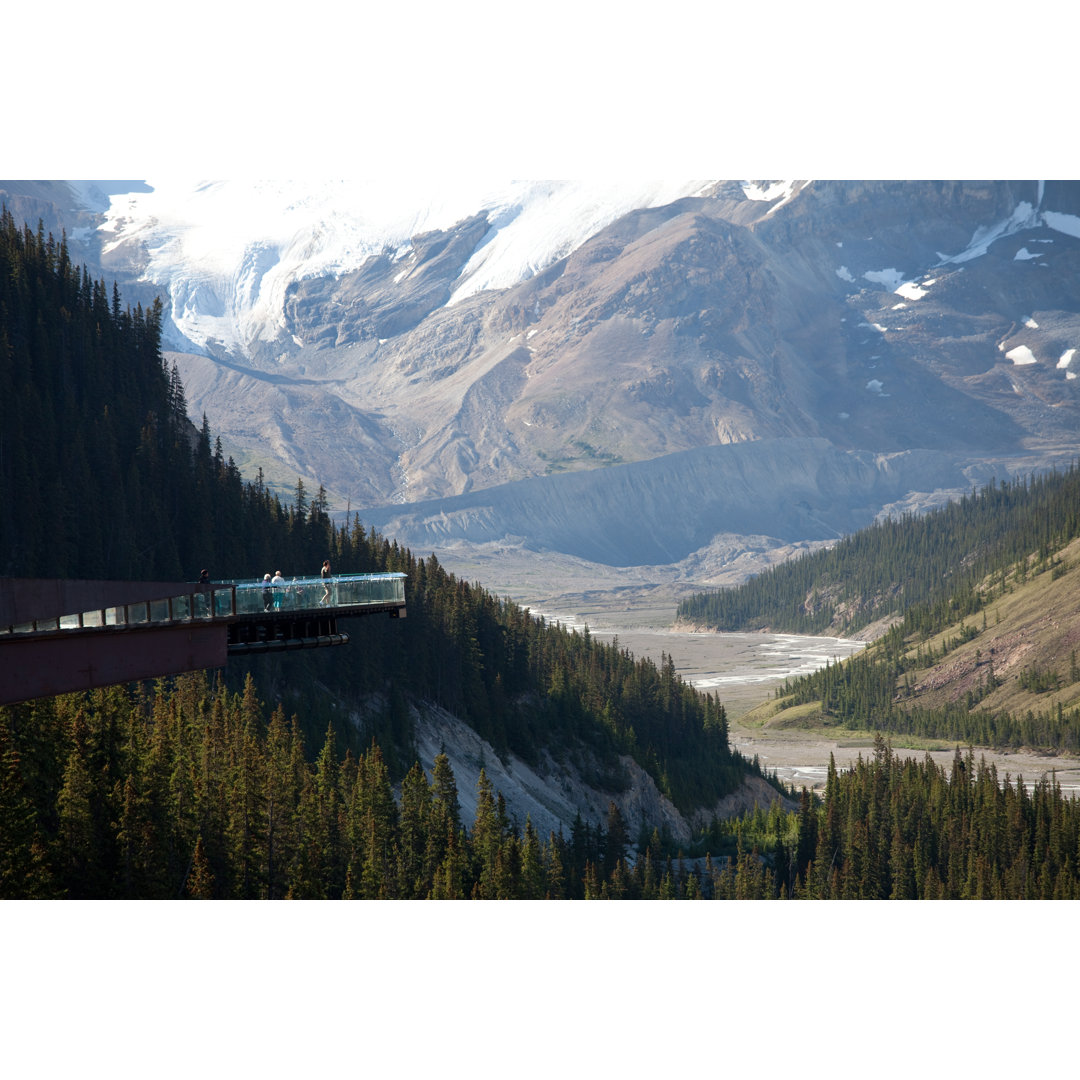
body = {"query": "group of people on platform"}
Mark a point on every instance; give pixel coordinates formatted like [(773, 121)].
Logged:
[(275, 588)]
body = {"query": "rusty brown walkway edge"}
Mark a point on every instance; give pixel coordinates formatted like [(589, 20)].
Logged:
[(58, 635)]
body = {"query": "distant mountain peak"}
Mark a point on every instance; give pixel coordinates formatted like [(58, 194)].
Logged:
[(226, 251)]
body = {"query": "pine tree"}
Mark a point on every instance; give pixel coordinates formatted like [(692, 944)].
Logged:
[(135, 840), (24, 873), (533, 878), (413, 831), (486, 839), (444, 788), (553, 868), (245, 827), (80, 852), (284, 778), (693, 889), (371, 823), (200, 882), (616, 840)]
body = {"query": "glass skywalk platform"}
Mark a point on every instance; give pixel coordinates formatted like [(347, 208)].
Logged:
[(240, 600)]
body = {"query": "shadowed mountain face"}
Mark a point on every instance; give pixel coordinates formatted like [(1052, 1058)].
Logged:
[(784, 367), (662, 511)]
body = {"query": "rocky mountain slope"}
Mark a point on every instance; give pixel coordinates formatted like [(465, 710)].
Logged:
[(1028, 645), (666, 509), (553, 797), (784, 360)]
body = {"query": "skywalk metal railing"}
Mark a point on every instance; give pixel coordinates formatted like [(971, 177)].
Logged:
[(229, 600), (313, 593)]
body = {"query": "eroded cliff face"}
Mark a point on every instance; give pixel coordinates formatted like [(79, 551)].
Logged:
[(552, 795), (668, 509)]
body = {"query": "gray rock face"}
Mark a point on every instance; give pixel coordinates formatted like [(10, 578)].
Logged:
[(388, 296), (686, 373), (664, 510)]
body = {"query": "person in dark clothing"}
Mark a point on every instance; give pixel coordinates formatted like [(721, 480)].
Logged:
[(326, 581), (203, 603)]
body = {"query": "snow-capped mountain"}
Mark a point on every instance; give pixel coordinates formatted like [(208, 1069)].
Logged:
[(226, 252), (628, 373)]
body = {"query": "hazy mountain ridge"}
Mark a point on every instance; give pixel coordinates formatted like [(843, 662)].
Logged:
[(663, 510)]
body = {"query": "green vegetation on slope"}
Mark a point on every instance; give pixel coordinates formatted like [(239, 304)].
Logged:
[(187, 790), (1008, 678), (926, 567), (894, 828), (984, 621)]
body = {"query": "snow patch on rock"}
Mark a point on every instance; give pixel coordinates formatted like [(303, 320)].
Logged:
[(911, 291), (1063, 223), (892, 279), (1021, 355)]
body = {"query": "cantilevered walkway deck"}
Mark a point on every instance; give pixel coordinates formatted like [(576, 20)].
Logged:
[(59, 636)]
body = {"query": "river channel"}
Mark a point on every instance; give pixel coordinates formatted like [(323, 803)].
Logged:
[(744, 670)]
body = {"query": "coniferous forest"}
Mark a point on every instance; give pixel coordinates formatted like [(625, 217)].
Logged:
[(907, 566), (247, 784), (935, 580), (190, 791)]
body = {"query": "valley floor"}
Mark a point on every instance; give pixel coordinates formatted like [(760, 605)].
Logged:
[(745, 669), (742, 669)]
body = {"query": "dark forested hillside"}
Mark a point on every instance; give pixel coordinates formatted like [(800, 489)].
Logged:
[(88, 421), (190, 790), (900, 566), (103, 475)]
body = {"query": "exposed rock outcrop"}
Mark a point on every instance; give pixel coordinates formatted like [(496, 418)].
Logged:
[(551, 798)]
